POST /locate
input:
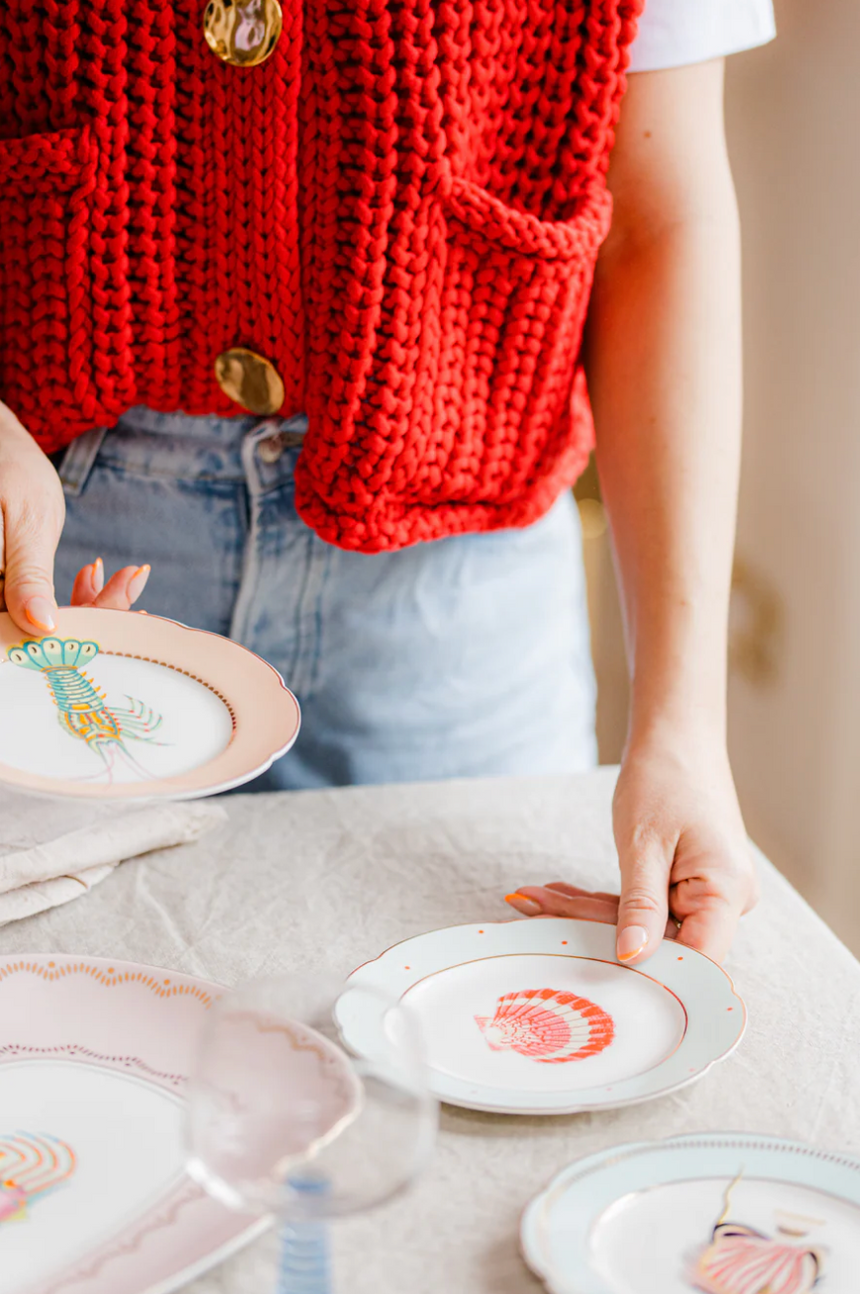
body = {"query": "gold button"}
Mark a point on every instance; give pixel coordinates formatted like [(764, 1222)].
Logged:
[(250, 380), (242, 32)]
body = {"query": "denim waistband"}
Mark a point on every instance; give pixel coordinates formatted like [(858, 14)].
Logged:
[(180, 446)]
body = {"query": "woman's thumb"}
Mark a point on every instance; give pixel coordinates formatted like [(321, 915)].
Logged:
[(29, 586), (644, 902)]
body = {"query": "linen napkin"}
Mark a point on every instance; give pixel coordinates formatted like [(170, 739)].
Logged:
[(52, 851)]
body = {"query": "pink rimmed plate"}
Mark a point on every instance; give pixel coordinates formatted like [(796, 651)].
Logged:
[(94, 1198), (538, 1017), (121, 705)]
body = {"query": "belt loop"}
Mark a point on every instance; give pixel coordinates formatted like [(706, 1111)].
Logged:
[(77, 462)]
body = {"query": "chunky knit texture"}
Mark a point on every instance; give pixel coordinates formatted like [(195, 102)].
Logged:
[(401, 209)]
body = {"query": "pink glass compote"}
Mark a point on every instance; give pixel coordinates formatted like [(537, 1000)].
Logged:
[(283, 1120)]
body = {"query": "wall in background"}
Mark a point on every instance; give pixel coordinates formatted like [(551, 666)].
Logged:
[(793, 110), (793, 117)]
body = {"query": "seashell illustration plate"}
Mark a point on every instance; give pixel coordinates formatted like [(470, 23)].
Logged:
[(538, 1017), (121, 705), (94, 1198), (714, 1213)]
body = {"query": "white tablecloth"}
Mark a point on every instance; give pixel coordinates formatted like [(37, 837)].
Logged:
[(333, 877)]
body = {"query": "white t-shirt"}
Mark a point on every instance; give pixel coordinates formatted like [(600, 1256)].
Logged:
[(673, 33)]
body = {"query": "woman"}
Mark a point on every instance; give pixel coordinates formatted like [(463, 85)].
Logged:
[(354, 248)]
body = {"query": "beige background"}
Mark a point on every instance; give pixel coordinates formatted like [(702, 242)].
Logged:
[(793, 110)]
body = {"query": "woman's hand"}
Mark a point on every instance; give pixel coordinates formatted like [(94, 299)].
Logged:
[(32, 512), (683, 853), (120, 593)]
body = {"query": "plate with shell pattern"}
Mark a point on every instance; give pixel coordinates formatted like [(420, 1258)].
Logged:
[(713, 1213), (539, 1017), (123, 705)]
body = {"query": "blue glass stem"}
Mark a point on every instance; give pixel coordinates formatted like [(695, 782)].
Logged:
[(305, 1254)]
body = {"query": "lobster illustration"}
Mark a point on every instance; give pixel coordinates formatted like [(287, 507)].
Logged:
[(83, 709), (30, 1167)]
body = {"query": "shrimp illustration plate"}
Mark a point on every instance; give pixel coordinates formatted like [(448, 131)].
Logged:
[(83, 709), (117, 705)]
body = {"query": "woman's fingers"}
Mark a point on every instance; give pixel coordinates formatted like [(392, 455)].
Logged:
[(89, 583), (124, 588), (711, 928), (560, 900), (715, 885), (119, 594), (574, 891), (540, 900)]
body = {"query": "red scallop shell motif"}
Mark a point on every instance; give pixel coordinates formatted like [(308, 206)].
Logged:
[(547, 1025), (742, 1261)]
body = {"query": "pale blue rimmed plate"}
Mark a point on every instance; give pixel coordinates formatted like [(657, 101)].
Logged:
[(641, 1218)]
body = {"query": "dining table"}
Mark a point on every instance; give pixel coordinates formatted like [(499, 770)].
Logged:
[(323, 880)]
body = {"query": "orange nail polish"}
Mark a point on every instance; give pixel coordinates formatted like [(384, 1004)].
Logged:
[(137, 583), (523, 904), (41, 614), (631, 942)]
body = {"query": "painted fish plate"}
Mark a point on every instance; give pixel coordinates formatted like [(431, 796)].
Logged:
[(713, 1213), (538, 1017), (120, 705), (94, 1198)]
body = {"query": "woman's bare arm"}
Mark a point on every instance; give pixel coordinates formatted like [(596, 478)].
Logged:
[(664, 366)]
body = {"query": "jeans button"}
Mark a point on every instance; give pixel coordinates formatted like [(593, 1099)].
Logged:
[(271, 449)]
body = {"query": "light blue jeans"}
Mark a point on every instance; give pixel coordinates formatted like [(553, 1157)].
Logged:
[(464, 657)]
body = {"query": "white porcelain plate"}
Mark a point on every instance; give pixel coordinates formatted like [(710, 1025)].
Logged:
[(538, 1017), (721, 1213), (94, 1198), (120, 705)]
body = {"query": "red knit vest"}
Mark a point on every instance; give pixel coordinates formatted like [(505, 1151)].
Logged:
[(401, 210)]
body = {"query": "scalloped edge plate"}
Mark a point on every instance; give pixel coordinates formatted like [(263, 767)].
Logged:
[(715, 1015), (264, 713), (590, 1189), (141, 1024)]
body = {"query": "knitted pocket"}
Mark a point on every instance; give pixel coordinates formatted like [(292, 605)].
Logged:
[(46, 289), (516, 290)]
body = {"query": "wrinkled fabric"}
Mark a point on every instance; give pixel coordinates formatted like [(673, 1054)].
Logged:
[(298, 883), (468, 656), (54, 851)]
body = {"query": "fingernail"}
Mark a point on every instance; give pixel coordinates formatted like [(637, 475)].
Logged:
[(630, 942), (523, 904), (40, 613), (98, 575), (137, 583)]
